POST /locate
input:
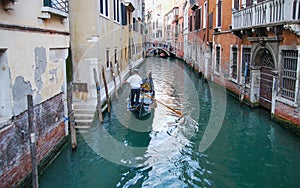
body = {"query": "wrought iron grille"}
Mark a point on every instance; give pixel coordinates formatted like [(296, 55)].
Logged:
[(289, 77), (62, 5)]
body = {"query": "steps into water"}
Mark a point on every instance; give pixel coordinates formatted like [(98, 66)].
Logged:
[(84, 112)]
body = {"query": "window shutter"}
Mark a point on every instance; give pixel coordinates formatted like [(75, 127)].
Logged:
[(124, 14), (210, 17)]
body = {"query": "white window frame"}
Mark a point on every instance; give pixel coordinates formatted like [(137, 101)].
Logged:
[(217, 14), (204, 15), (116, 5), (215, 62), (231, 63), (104, 10)]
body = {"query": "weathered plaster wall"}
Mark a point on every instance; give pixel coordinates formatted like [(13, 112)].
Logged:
[(31, 69), (5, 97)]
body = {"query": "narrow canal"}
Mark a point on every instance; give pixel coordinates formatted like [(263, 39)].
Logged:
[(231, 146)]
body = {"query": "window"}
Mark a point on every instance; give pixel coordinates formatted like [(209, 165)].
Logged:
[(210, 19), (107, 58), (61, 5), (196, 18), (295, 7), (234, 60), (116, 55), (141, 28), (200, 18), (289, 77), (246, 64), (249, 3), (104, 7), (219, 13), (236, 4), (218, 59), (134, 24), (117, 10), (191, 23)]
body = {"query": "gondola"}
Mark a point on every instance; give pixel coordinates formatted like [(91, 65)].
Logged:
[(145, 106)]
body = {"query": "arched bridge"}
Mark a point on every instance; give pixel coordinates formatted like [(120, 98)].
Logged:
[(158, 50)]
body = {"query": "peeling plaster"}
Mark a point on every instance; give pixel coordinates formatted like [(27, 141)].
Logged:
[(40, 66), (53, 74), (20, 90)]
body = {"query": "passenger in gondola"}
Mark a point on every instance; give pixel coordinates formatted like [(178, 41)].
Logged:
[(147, 85), (135, 82)]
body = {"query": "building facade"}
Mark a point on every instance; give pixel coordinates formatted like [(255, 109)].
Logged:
[(104, 35), (249, 47), (96, 35), (270, 54), (178, 23), (33, 51), (200, 42)]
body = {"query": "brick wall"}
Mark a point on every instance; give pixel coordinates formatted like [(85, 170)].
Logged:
[(288, 114), (15, 160)]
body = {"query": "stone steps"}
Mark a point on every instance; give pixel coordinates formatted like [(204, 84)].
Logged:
[(84, 112)]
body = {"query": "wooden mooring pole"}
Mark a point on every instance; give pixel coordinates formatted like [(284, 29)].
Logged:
[(99, 109), (31, 131), (71, 118), (114, 79), (118, 70), (106, 91)]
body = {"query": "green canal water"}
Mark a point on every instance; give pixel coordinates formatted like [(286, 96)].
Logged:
[(232, 145)]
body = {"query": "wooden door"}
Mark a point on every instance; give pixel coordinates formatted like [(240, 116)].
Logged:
[(266, 83)]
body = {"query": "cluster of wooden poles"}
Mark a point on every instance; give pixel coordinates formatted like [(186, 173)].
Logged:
[(99, 103)]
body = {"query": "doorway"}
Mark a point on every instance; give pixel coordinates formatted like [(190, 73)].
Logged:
[(266, 78)]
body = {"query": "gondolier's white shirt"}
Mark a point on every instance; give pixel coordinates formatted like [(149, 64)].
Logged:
[(135, 81)]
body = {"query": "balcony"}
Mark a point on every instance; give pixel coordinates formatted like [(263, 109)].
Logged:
[(267, 14), (57, 7)]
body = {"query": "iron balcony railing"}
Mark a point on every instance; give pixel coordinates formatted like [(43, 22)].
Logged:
[(61, 5), (267, 13)]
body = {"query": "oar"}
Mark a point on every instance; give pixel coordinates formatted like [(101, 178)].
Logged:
[(177, 112)]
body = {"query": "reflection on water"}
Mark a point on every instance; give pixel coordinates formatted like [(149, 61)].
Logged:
[(249, 151)]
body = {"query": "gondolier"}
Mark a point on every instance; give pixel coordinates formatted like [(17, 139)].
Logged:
[(135, 82)]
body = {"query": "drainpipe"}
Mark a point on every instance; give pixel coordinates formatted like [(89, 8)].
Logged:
[(65, 95)]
